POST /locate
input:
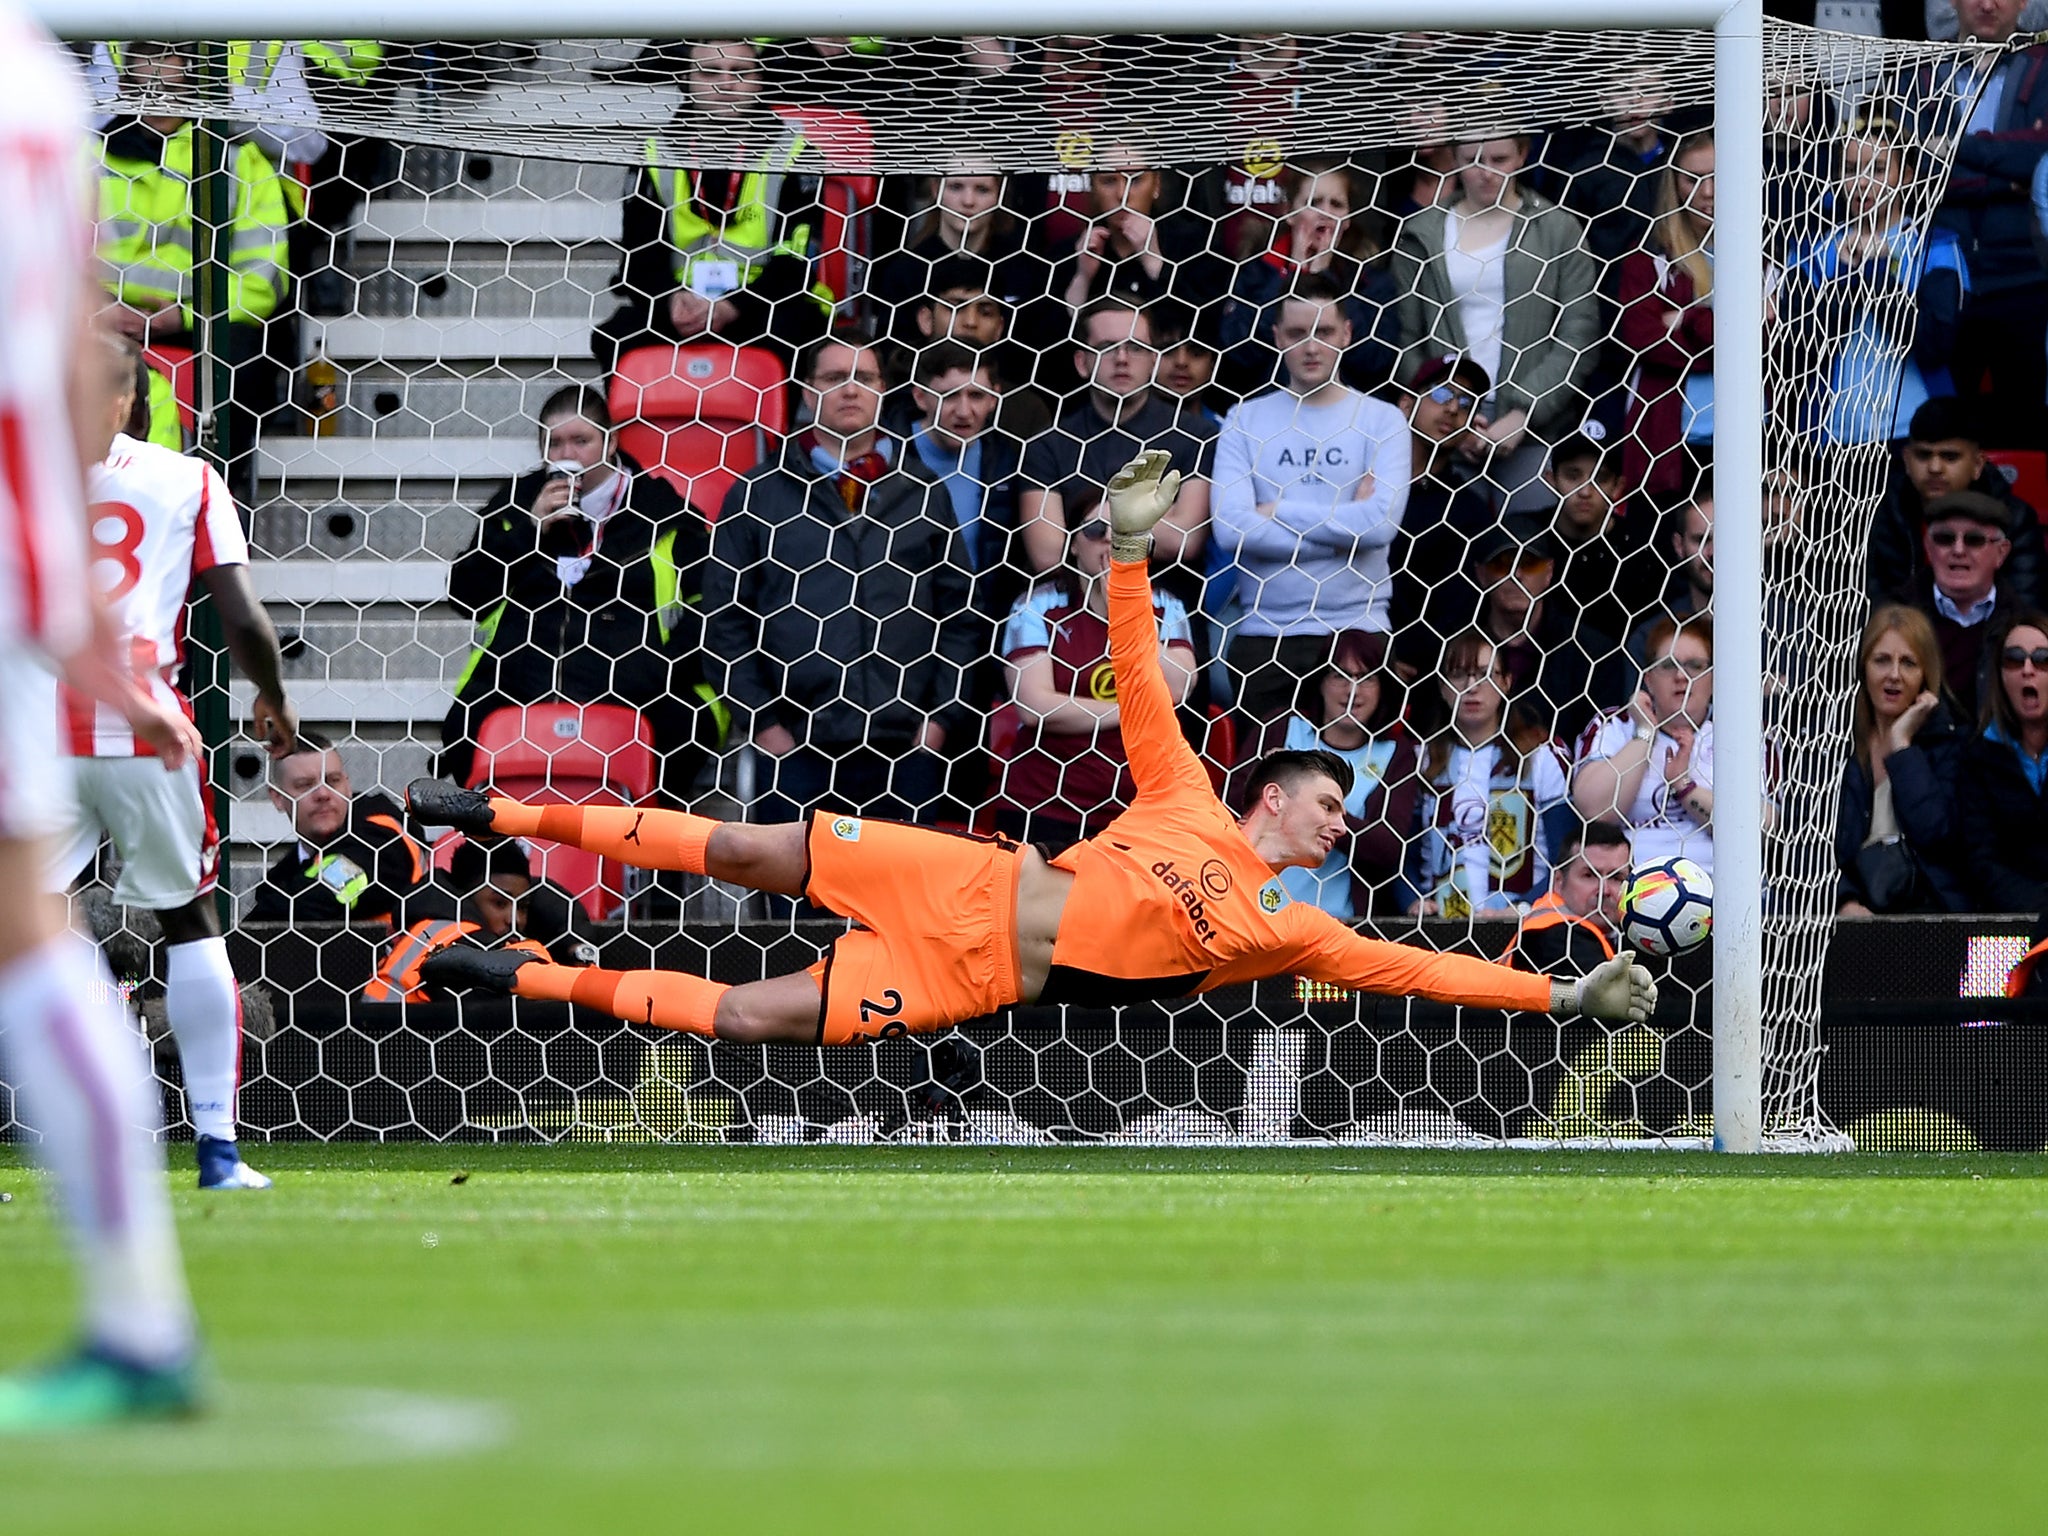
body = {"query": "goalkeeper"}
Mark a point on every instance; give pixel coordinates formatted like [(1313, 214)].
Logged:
[(1174, 897)]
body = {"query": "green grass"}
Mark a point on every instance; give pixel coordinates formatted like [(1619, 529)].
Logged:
[(738, 1340)]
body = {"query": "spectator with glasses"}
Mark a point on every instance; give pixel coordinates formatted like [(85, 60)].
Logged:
[(2002, 788), (1650, 766), (1066, 776), (1965, 546), (838, 600)]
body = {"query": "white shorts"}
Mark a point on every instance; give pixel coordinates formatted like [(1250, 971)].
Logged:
[(160, 823), (35, 793)]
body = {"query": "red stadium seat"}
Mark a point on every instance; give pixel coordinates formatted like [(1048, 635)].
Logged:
[(175, 364), (700, 415), (569, 754), (2026, 471)]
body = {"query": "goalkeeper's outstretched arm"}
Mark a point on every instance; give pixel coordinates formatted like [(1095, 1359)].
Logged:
[(1618, 991), (1140, 494)]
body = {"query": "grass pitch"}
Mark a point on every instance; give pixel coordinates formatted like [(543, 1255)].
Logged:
[(646, 1339)]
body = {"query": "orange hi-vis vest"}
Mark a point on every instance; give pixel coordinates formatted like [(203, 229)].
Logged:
[(1547, 911), (398, 978)]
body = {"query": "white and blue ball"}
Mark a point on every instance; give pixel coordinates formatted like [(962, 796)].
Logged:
[(1668, 907)]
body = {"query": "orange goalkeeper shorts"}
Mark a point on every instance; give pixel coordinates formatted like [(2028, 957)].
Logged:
[(937, 941)]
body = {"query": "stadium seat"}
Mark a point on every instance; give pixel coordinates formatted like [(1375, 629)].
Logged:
[(700, 415), (175, 364), (2026, 471), (569, 754)]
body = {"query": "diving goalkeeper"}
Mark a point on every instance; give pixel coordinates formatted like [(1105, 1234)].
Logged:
[(1174, 897)]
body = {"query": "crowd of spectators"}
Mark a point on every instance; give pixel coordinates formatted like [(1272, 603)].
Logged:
[(1444, 419)]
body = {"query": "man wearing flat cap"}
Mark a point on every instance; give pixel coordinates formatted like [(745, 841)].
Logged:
[(1965, 545)]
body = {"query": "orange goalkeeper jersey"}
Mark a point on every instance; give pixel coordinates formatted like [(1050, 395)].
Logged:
[(1170, 898)]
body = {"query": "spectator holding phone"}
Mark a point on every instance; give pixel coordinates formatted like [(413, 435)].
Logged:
[(582, 580)]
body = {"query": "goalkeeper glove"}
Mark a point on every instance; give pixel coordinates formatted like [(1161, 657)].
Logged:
[(1616, 990), (1140, 494)]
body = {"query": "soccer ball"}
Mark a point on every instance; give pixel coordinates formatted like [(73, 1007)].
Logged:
[(1668, 907)]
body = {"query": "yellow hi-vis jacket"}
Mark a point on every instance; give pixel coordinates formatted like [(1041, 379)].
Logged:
[(145, 230), (745, 236)]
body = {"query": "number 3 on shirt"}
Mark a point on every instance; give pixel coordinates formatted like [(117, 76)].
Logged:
[(122, 550)]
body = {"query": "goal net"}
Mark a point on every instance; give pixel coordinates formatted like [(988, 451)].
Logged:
[(1425, 319)]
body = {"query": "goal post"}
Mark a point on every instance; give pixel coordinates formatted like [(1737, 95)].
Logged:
[(1742, 660)]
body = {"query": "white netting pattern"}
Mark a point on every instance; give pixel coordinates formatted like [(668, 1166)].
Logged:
[(1067, 247)]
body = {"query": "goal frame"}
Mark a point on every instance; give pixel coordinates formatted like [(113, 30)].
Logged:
[(1738, 303)]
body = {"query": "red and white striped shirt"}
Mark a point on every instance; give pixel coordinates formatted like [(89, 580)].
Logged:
[(45, 244), (158, 520)]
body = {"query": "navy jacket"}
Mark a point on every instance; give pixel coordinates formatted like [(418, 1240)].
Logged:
[(1898, 571), (843, 627), (2005, 829), (1988, 203), (1923, 779)]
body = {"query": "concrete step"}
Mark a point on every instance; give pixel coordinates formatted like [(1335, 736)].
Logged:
[(428, 171), (336, 527), (575, 220), (336, 644), (303, 583), (485, 290), (543, 340), (350, 701), (293, 461), (442, 405)]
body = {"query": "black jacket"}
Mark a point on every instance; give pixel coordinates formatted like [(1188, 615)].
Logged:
[(841, 627), (2004, 829), (1988, 203), (1898, 570), (375, 870), (600, 640), (1923, 779)]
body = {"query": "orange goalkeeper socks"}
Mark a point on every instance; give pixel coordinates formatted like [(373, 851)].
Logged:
[(646, 839), (669, 999)]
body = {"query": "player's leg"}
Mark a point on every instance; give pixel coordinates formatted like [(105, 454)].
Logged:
[(203, 1005), (778, 1008), (763, 858), (82, 1084), (162, 825)]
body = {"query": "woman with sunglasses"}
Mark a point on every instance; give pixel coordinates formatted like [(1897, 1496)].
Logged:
[(2002, 788), (1666, 294), (1896, 825)]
